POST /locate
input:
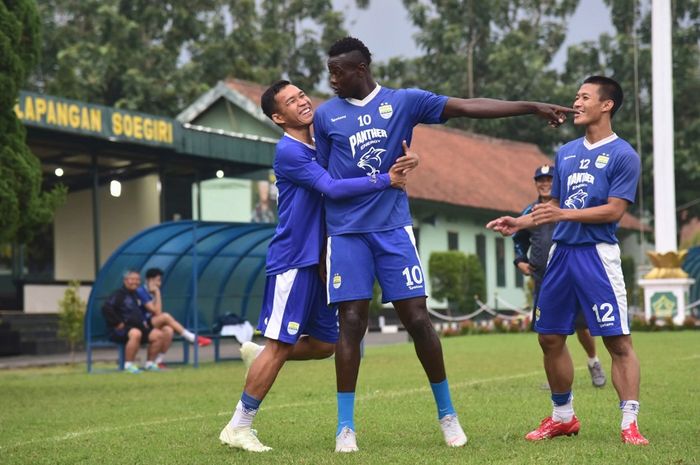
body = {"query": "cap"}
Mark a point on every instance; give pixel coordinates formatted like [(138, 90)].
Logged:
[(544, 170)]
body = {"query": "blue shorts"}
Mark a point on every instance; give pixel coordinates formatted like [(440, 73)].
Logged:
[(294, 304), (586, 279), (354, 260)]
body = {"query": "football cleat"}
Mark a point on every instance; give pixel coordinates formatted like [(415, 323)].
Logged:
[(242, 438), (133, 369), (452, 431), (550, 429), (249, 352), (631, 435), (346, 441), (203, 341), (597, 375)]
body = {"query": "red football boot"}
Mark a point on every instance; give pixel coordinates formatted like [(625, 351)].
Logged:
[(203, 341), (550, 429), (631, 435)]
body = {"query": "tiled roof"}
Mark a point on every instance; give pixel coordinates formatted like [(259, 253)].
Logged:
[(464, 169)]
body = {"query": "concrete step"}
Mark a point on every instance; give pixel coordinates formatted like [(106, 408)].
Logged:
[(44, 346), (10, 342)]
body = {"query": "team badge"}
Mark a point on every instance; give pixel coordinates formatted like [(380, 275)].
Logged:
[(292, 328), (537, 314), (602, 160), (385, 110), (337, 281)]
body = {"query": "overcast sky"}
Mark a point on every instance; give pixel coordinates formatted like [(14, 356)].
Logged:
[(389, 38)]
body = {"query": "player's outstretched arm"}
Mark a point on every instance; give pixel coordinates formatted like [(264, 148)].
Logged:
[(492, 108), (610, 212)]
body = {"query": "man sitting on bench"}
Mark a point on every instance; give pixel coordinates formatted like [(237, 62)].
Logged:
[(129, 326), (152, 305)]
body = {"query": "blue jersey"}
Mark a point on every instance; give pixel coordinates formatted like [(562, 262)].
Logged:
[(585, 175), (302, 183), (363, 138)]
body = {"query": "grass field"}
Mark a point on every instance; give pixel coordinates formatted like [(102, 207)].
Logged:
[(62, 415)]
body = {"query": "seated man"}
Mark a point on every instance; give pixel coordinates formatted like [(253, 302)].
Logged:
[(129, 326), (152, 306)]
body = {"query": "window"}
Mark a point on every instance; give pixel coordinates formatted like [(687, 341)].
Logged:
[(452, 240), (481, 250), (519, 278), (500, 262), (416, 235)]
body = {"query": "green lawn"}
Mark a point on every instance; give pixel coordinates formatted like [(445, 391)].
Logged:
[(62, 415)]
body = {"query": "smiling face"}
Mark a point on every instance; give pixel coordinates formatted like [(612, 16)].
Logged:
[(590, 105), (544, 186), (132, 281), (293, 108), (347, 73)]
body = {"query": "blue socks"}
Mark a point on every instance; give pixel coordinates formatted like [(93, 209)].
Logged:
[(250, 403), (559, 399), (441, 392), (346, 411)]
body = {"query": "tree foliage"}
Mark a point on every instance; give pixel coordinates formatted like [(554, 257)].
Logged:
[(159, 56), (23, 205), (71, 316), (457, 278)]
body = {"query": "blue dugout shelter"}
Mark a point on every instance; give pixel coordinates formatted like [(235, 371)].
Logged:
[(210, 269)]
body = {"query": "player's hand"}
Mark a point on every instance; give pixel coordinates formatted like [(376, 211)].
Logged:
[(525, 268), (506, 225), (408, 160), (544, 213), (554, 114)]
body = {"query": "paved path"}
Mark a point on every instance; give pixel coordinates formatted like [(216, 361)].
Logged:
[(206, 354)]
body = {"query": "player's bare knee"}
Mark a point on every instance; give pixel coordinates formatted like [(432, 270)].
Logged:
[(353, 323), (323, 349), (619, 346), (551, 342), (278, 350)]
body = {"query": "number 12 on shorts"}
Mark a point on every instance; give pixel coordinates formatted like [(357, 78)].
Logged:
[(604, 314)]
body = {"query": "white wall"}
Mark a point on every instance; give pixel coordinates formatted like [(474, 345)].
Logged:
[(43, 298), (120, 218), (225, 199)]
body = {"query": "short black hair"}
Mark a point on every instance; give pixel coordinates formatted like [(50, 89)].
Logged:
[(153, 273), (609, 89), (267, 101), (129, 271), (350, 44)]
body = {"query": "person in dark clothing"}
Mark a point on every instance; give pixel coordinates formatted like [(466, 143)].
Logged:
[(537, 241), (128, 324)]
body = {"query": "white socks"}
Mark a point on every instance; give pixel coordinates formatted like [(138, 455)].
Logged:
[(188, 335), (592, 361), (630, 410), (242, 416), (564, 413), (159, 358)]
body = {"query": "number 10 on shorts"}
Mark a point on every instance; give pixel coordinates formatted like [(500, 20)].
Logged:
[(414, 276)]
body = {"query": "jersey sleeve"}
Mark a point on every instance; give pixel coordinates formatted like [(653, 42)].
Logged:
[(623, 183), (143, 295), (302, 169), (321, 139), (427, 107)]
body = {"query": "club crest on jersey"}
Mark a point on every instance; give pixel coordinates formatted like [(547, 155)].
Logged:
[(337, 281), (370, 161), (385, 110), (602, 160), (577, 200), (292, 328)]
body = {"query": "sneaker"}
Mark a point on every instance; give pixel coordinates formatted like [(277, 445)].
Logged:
[(452, 431), (550, 429), (249, 352), (597, 375), (631, 435), (150, 366), (242, 438), (203, 341), (346, 441), (133, 369), (162, 366)]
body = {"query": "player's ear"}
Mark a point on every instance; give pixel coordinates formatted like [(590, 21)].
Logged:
[(608, 105), (278, 118)]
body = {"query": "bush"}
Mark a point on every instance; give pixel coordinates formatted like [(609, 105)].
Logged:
[(457, 278), (71, 316)]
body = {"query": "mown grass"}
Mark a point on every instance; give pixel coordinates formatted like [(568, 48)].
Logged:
[(62, 415)]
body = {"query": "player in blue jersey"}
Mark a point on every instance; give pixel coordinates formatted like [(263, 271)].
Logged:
[(594, 181), (360, 133), (294, 299)]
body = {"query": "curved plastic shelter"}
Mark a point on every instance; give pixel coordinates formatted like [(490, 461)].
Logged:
[(691, 265), (210, 269)]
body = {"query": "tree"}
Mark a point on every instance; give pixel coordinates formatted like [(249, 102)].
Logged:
[(23, 205), (71, 317), (615, 56), (457, 278), (499, 49)]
